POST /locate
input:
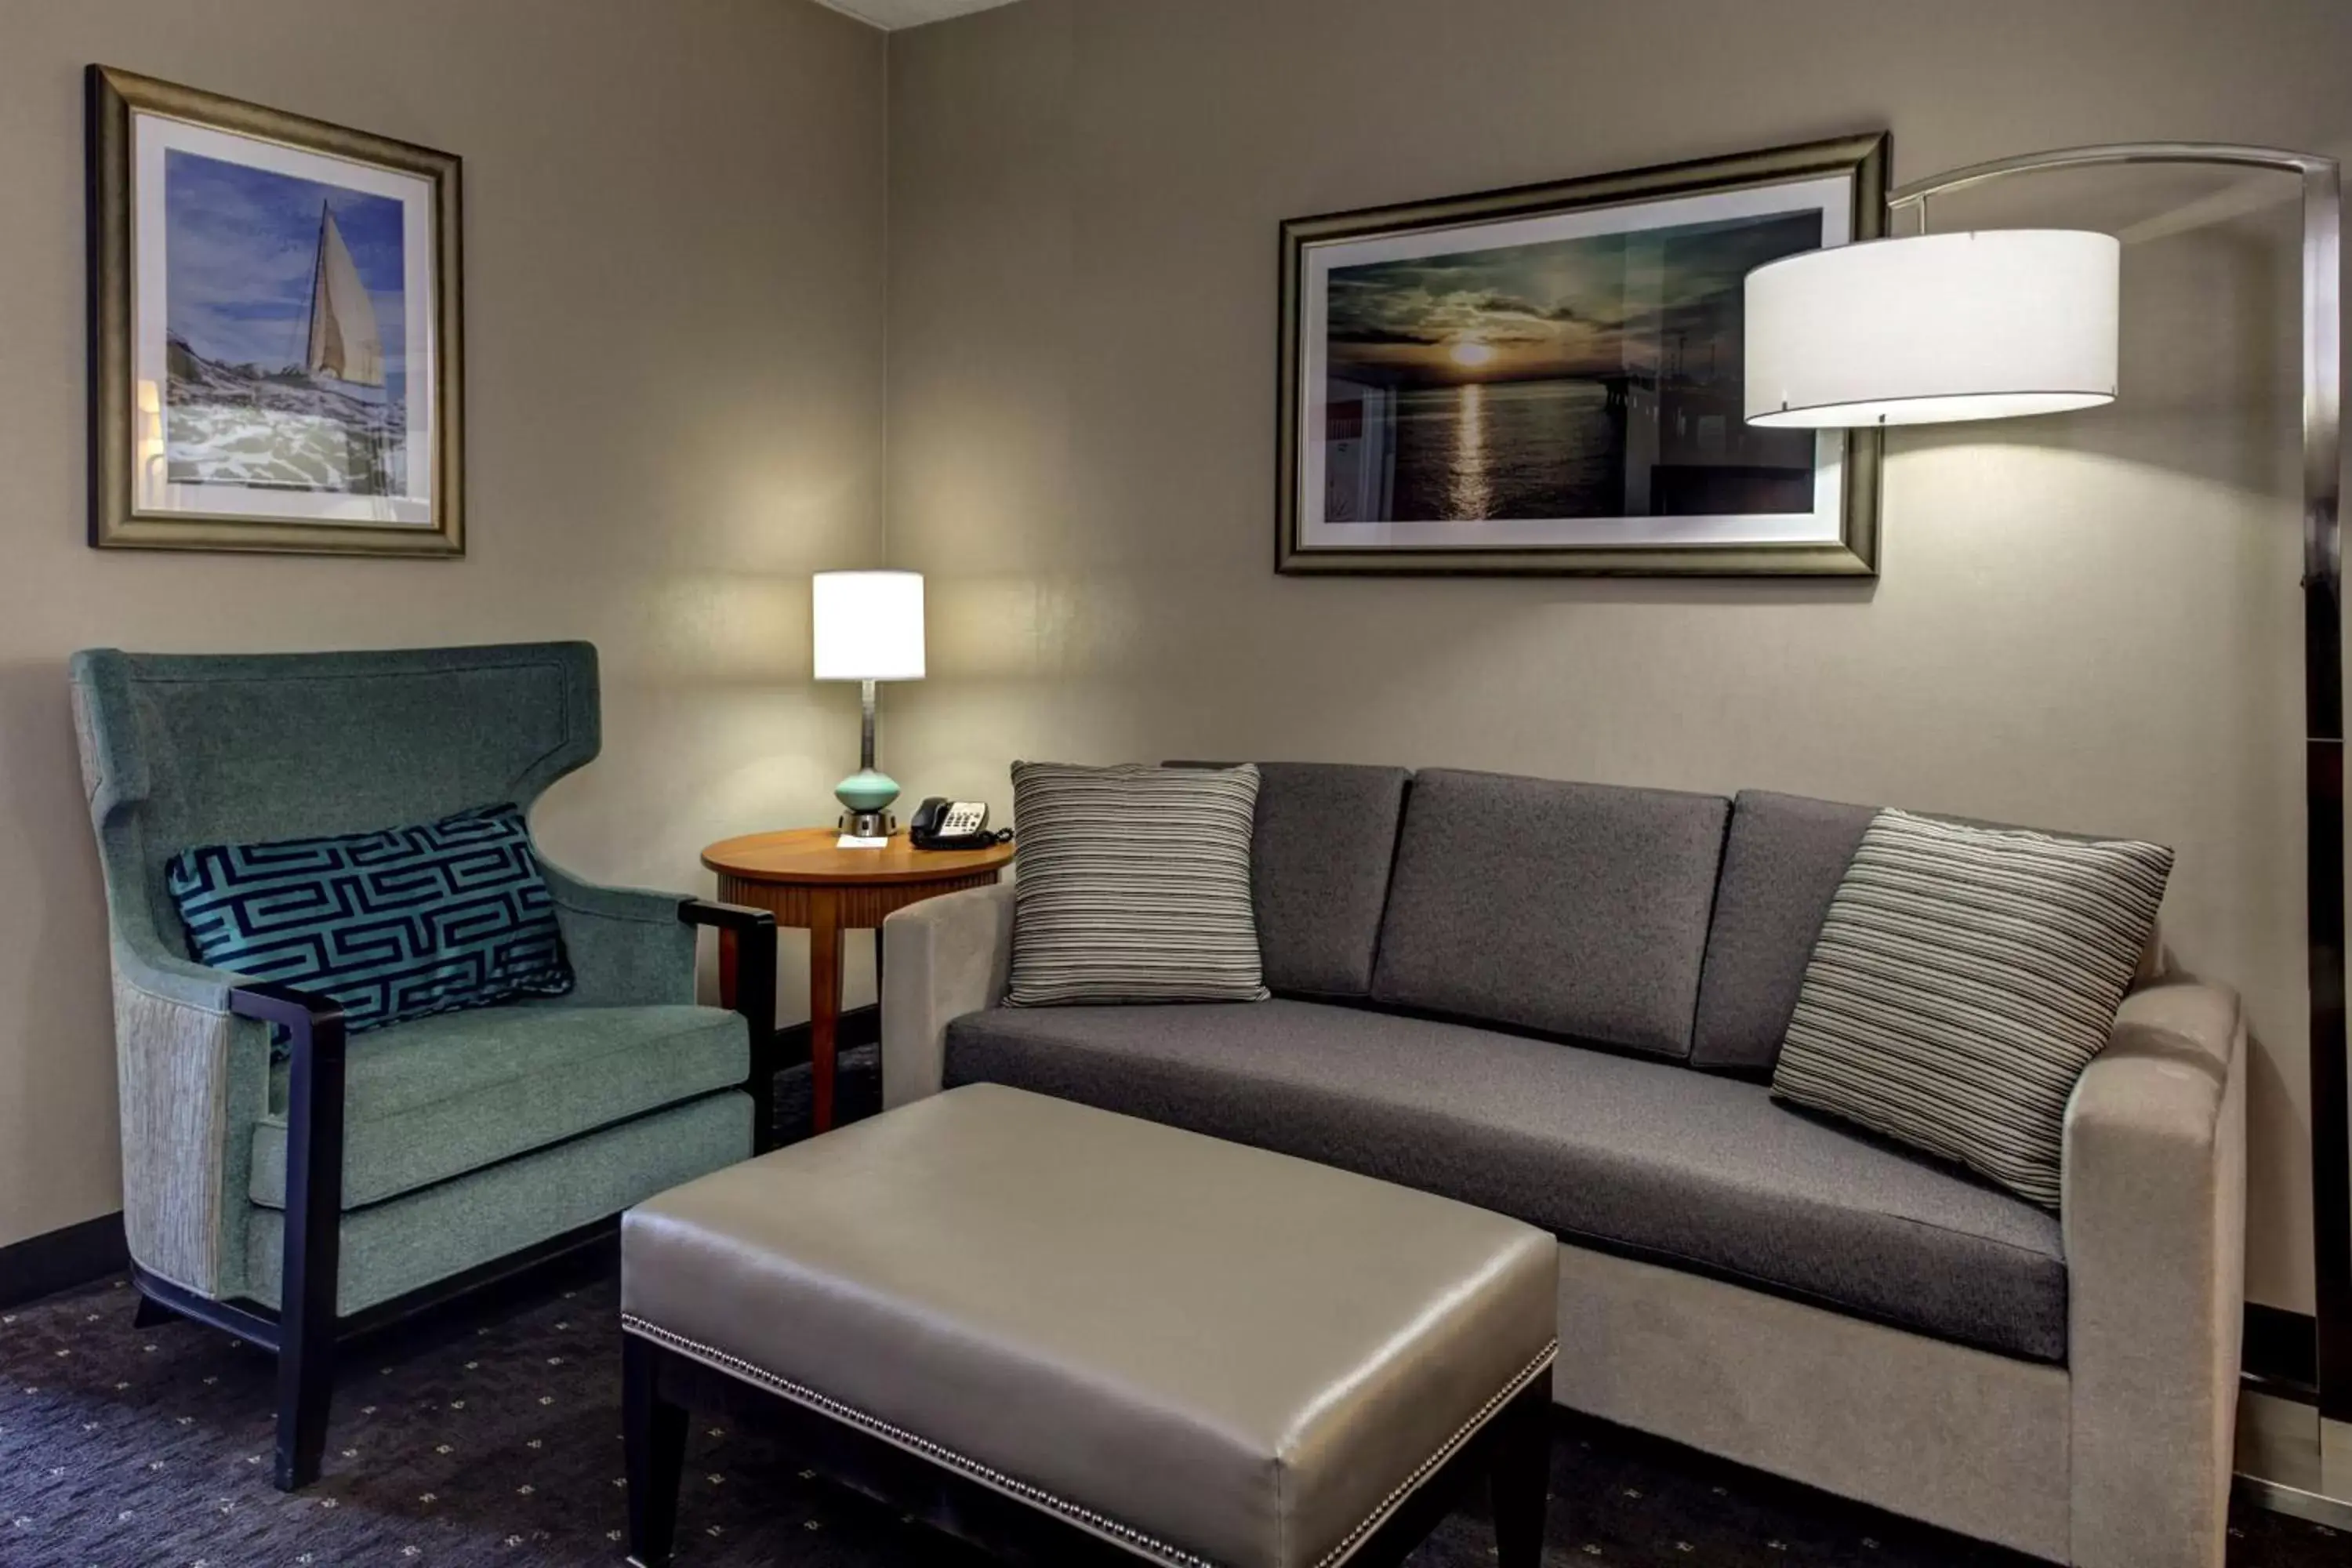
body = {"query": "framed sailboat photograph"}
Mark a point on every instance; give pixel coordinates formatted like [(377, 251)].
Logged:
[(276, 329)]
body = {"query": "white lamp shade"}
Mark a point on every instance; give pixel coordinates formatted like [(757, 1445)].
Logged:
[(869, 626), (1934, 328)]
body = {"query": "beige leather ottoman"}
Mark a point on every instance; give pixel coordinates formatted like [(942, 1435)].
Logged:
[(1073, 1336)]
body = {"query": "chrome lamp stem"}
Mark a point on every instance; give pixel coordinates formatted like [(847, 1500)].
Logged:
[(2310, 1474)]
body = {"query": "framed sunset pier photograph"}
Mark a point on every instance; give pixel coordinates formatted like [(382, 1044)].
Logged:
[(275, 329), (1548, 379)]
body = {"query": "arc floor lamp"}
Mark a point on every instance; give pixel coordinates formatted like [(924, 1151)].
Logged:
[(1931, 328)]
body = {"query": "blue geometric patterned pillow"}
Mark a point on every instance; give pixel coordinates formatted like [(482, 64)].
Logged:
[(394, 925)]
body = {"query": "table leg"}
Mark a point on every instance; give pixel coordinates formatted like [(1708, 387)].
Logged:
[(824, 999), (727, 968)]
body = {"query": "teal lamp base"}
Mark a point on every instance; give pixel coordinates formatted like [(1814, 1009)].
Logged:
[(866, 796), (868, 789)]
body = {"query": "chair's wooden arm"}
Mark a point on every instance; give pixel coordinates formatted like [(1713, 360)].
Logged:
[(754, 932), (314, 1211)]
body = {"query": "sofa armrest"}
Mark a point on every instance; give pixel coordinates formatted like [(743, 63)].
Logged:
[(941, 958), (2153, 1213)]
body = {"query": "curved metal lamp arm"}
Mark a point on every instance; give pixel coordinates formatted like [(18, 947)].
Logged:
[(2323, 464), (2323, 279), (2277, 158)]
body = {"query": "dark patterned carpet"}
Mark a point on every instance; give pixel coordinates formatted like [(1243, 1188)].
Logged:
[(490, 1435)]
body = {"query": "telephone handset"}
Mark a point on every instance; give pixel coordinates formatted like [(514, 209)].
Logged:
[(941, 824)]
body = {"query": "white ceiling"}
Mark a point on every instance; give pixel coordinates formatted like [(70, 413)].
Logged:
[(890, 15)]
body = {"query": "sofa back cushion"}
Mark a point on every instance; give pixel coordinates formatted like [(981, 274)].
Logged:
[(1782, 865), (1321, 854), (1573, 909), (1319, 862)]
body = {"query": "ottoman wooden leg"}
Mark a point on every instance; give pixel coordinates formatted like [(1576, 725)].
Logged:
[(653, 1434), (1521, 1477)]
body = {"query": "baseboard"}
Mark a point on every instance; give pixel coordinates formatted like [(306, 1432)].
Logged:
[(59, 1260), (2281, 1353)]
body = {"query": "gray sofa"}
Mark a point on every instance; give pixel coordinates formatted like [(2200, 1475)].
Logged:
[(1563, 1001)]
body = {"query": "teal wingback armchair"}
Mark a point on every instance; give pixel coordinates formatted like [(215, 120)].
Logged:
[(301, 1203)]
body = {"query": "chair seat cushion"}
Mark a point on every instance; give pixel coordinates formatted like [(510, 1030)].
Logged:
[(419, 1238), (428, 1100), (1640, 1157)]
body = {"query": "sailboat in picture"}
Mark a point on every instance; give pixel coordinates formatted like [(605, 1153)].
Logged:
[(346, 346), (345, 343), (330, 419)]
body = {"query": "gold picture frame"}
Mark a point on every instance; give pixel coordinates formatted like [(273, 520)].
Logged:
[(1390, 316), (225, 414)]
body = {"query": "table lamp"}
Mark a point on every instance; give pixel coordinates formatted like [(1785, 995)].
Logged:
[(1952, 326), (869, 627)]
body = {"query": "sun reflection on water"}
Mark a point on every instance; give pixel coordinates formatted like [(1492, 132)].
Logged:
[(1469, 495)]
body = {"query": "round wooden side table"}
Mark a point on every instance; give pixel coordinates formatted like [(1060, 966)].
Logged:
[(807, 881)]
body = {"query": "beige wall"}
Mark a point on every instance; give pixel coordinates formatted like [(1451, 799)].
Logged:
[(2087, 623), (674, 281), (676, 304)]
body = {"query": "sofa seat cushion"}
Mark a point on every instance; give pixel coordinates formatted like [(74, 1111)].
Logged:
[(428, 1100), (1642, 1157)]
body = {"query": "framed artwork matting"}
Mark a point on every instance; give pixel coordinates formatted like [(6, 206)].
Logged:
[(1547, 379), (276, 324)]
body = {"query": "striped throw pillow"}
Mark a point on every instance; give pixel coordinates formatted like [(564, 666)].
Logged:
[(1134, 885), (1963, 980)]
